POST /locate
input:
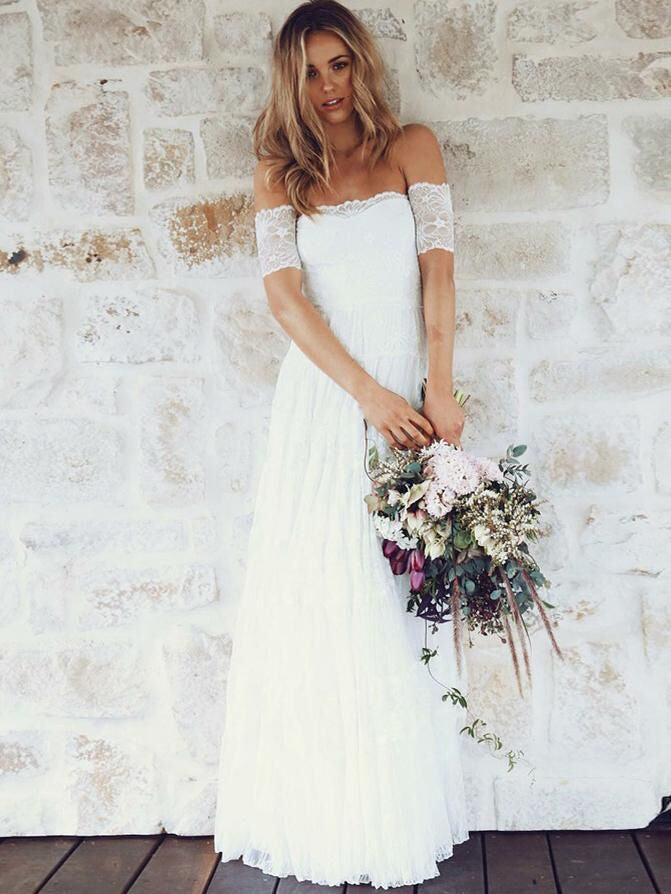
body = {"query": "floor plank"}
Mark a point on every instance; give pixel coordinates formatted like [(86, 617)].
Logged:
[(518, 862), (235, 877), (25, 863), (656, 847), (290, 885), (181, 864), (112, 861), (599, 863), (462, 873)]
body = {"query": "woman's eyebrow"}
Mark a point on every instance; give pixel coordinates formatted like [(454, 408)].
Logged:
[(331, 60)]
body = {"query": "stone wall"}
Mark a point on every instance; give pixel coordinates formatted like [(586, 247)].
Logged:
[(134, 412)]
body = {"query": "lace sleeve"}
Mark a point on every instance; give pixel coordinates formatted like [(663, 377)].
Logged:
[(276, 238), (434, 219)]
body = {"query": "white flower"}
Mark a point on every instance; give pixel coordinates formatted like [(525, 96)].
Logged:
[(392, 529)]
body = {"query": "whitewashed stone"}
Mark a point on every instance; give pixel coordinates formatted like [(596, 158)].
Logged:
[(113, 597), (16, 62), (56, 460), (525, 164), (23, 754), (240, 322), (85, 395), (455, 50), (96, 537), (661, 458), (605, 800), (491, 411), (592, 77), (16, 175), (627, 542), (549, 313), (109, 780), (89, 678), (173, 442), (486, 317), (248, 33), (213, 236), (656, 619), (596, 706), (168, 157), (139, 326), (631, 280), (551, 550), (31, 348), (382, 23), (644, 18), (10, 595), (85, 255), (192, 807), (588, 610), (235, 448), (517, 251), (196, 665), (124, 32), (556, 22), (651, 137), (236, 90), (205, 536), (576, 452), (599, 372), (49, 592), (88, 138), (228, 146)]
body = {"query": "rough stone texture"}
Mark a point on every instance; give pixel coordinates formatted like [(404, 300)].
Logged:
[(189, 91), (596, 78), (16, 65), (243, 33), (599, 372), (16, 175), (56, 460), (124, 32), (575, 452), (31, 348), (651, 137), (382, 23), (455, 50), (485, 317), (86, 256), (518, 164), (78, 539), (550, 314), (631, 280), (555, 23), (88, 137), (511, 251), (23, 753), (168, 157), (660, 459), (644, 18), (633, 543), (491, 411), (211, 237), (228, 146), (195, 666), (139, 327), (172, 442)]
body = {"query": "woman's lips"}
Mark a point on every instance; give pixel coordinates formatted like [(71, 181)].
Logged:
[(333, 105)]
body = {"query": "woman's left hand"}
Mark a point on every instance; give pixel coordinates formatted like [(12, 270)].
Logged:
[(445, 414)]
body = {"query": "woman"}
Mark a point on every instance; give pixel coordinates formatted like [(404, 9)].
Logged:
[(336, 765)]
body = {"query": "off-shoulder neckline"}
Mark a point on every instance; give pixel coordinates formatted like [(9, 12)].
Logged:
[(360, 203)]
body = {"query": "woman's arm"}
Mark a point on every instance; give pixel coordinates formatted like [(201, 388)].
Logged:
[(389, 412), (423, 163)]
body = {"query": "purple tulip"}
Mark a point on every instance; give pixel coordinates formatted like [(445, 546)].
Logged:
[(417, 558), (399, 563), (389, 548), (416, 580)]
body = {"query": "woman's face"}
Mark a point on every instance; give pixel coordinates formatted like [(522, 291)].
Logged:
[(329, 75)]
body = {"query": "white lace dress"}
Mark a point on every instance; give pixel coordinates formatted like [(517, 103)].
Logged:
[(339, 760)]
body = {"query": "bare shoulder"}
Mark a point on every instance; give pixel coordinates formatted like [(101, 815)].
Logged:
[(264, 195), (420, 155)]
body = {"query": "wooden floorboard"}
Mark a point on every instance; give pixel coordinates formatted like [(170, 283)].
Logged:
[(114, 863), (178, 865), (27, 863), (599, 863), (655, 845), (235, 877), (463, 872), (518, 862)]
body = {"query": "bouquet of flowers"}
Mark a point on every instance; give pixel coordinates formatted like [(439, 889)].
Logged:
[(462, 526)]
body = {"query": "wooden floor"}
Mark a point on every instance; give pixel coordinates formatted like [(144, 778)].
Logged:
[(636, 861)]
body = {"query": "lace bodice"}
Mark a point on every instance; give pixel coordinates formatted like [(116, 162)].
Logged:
[(431, 205)]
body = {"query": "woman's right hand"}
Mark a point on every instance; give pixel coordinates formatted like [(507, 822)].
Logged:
[(398, 421)]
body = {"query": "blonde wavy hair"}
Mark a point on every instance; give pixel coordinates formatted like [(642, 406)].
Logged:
[(288, 134)]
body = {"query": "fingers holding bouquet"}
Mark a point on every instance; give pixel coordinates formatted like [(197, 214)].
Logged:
[(445, 411), (400, 424)]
